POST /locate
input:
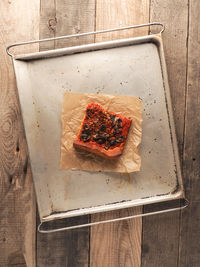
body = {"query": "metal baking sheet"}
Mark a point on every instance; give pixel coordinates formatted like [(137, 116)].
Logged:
[(135, 67)]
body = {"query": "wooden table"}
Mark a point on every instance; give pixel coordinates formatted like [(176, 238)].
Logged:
[(171, 239)]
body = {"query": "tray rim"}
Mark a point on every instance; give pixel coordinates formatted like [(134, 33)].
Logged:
[(112, 206), (156, 38)]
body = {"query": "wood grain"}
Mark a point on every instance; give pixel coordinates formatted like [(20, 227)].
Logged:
[(75, 17), (160, 239), (174, 14), (191, 154), (48, 21), (117, 13), (17, 201), (161, 233), (189, 254), (68, 248), (58, 18), (118, 244)]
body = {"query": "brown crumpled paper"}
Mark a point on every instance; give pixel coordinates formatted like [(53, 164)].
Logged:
[(72, 114)]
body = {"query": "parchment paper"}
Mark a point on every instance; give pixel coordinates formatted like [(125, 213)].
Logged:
[(73, 109)]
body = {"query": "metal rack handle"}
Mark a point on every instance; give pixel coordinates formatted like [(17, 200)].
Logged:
[(84, 34), (186, 203)]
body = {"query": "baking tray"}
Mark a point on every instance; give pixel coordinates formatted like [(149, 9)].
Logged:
[(133, 66)]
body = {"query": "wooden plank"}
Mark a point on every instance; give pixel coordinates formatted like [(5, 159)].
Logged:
[(19, 22), (68, 248), (161, 233), (75, 17), (190, 218), (48, 21), (189, 249), (174, 15), (191, 155), (160, 238), (60, 18), (118, 244), (117, 13)]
